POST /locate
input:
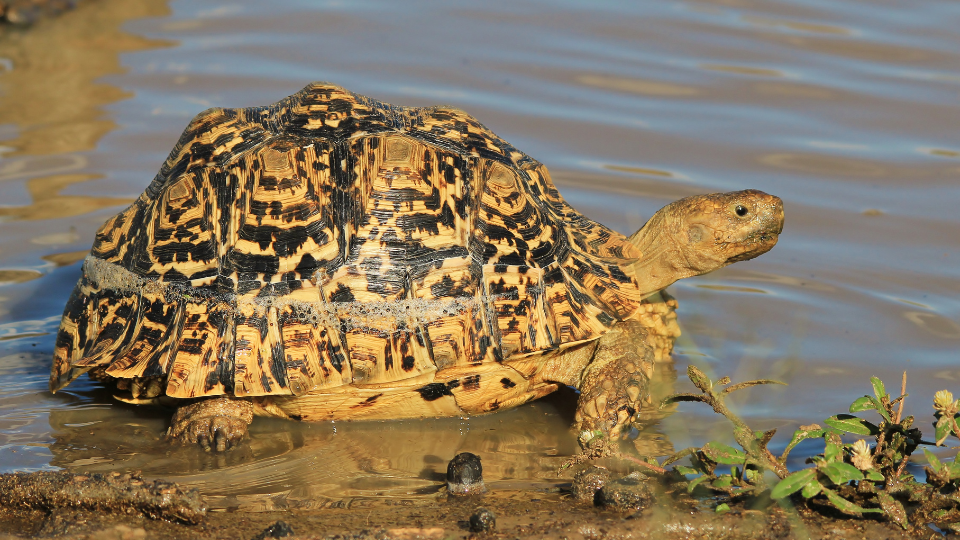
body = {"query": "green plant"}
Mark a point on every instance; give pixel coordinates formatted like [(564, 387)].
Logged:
[(851, 477)]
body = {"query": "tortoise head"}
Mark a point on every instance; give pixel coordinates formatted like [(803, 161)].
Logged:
[(700, 234)]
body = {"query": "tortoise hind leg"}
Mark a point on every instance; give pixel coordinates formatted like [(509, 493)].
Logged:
[(615, 383), (216, 424)]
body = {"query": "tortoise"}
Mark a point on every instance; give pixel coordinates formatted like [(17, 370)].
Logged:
[(333, 257)]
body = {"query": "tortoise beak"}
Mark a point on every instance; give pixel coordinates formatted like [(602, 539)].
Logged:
[(767, 229)]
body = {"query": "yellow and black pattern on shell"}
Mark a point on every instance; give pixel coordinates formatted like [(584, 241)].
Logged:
[(332, 241)]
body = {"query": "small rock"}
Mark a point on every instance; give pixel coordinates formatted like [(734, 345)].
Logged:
[(465, 475), (278, 530), (632, 492), (483, 520), (587, 482)]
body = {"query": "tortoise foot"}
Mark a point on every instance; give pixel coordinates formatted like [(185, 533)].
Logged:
[(215, 424), (614, 384)]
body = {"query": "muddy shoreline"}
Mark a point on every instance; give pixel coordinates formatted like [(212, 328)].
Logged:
[(83, 512)]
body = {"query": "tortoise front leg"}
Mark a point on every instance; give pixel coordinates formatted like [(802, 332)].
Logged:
[(614, 383), (215, 424)]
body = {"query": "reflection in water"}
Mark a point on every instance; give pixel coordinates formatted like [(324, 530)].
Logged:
[(67, 258), (49, 203), (18, 276), (812, 28), (935, 324), (285, 464), (744, 70), (793, 90), (823, 165), (51, 119), (56, 238), (641, 170), (941, 152), (53, 99), (730, 288), (52, 94), (290, 464), (638, 86)]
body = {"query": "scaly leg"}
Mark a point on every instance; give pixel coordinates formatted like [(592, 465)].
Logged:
[(614, 383), (215, 424)]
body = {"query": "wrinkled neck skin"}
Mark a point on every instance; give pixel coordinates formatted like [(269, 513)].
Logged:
[(665, 259)]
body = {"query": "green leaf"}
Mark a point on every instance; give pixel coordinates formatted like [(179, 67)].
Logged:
[(878, 389), (723, 508), (833, 451), (683, 469), (852, 424), (793, 483), (874, 475), (893, 509), (801, 435), (846, 506), (696, 482), (812, 489), (932, 460), (841, 473), (863, 404), (722, 453), (943, 429), (881, 409), (722, 482)]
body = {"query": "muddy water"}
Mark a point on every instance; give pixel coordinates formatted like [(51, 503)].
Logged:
[(846, 109)]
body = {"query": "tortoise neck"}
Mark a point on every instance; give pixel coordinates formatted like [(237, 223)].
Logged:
[(662, 259)]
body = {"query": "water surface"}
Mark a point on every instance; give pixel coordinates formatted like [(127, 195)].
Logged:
[(845, 109)]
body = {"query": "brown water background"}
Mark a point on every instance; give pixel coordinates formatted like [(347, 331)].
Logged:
[(848, 110)]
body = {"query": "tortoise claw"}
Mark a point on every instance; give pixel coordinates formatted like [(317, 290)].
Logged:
[(215, 425)]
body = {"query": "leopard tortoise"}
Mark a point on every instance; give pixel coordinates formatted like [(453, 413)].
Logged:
[(331, 256)]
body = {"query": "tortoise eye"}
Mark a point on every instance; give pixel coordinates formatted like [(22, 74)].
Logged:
[(741, 210)]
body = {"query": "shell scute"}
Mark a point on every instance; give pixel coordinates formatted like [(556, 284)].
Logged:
[(202, 364), (259, 364), (114, 314), (332, 243), (523, 319), (152, 341)]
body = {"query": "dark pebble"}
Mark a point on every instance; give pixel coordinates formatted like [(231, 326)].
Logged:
[(587, 482), (632, 492), (465, 475), (278, 530), (483, 520)]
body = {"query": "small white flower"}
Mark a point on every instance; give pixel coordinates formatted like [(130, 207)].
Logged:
[(944, 403), (861, 457)]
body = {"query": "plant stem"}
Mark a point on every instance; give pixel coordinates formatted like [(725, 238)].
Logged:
[(903, 397)]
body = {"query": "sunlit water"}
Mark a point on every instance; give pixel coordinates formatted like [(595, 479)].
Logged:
[(845, 109)]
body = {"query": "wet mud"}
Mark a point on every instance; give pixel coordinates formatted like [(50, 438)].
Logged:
[(104, 513), (108, 493)]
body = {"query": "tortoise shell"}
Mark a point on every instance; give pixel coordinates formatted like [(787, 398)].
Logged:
[(332, 240)]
